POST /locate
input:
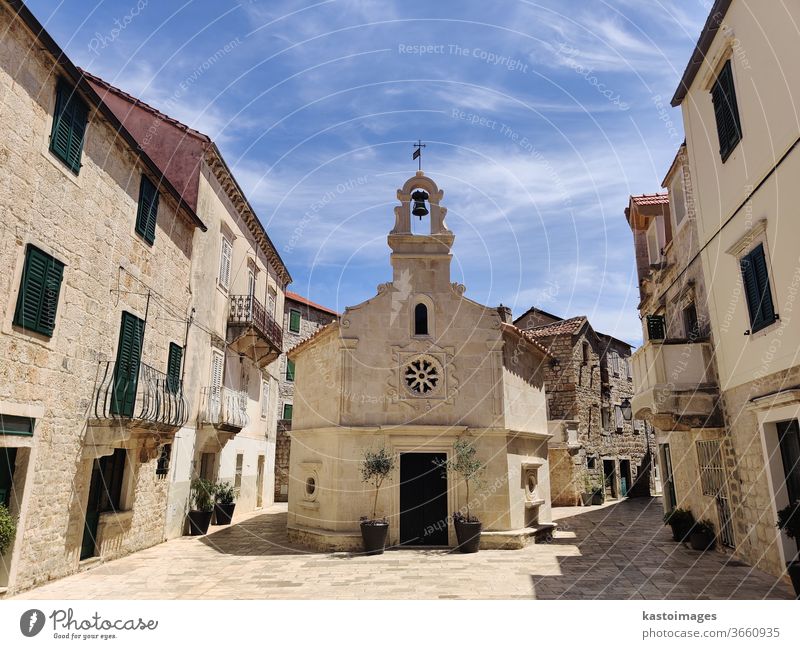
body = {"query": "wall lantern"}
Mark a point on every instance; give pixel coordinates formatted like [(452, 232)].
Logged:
[(627, 411)]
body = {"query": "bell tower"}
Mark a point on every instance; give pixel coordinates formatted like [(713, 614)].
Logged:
[(425, 258)]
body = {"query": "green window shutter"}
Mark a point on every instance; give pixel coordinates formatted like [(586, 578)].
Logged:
[(287, 411), (755, 278), (656, 327), (174, 368), (126, 370), (69, 126), (294, 321), (147, 213), (289, 370), (39, 290), (726, 111)]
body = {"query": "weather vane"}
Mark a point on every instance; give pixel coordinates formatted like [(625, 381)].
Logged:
[(418, 146)]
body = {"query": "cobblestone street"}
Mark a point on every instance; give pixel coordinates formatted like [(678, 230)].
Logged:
[(618, 551)]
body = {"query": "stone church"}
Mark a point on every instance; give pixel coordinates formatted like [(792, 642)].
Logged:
[(413, 369)]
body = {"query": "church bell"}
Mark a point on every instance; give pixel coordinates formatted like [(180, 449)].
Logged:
[(419, 197)]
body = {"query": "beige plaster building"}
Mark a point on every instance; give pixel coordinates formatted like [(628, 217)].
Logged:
[(412, 369), (301, 319), (234, 334), (98, 249), (736, 401), (588, 382)]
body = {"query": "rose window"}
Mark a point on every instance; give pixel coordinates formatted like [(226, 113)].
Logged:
[(423, 375)]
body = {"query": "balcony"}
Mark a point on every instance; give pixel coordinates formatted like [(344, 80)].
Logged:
[(252, 331), (132, 401), (675, 385), (224, 409)]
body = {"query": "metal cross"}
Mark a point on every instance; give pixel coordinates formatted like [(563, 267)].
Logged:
[(418, 146)]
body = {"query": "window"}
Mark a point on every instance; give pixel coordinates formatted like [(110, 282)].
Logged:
[(69, 126), (712, 473), (251, 282), (678, 198), (653, 250), (147, 214), (271, 300), (623, 368), (757, 289), (15, 425), (690, 324), (420, 320), (164, 455), (237, 477), (614, 363), (225, 263), (585, 353), (207, 462), (174, 368), (591, 462), (289, 370), (217, 369), (287, 411), (726, 111), (112, 471), (656, 327), (126, 369), (605, 416), (294, 321), (264, 398), (38, 294), (619, 420)]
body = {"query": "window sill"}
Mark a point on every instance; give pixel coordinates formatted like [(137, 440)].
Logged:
[(764, 330)]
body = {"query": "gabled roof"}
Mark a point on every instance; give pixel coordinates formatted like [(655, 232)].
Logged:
[(295, 297), (88, 91), (569, 326), (526, 335), (535, 309), (179, 152), (713, 23)]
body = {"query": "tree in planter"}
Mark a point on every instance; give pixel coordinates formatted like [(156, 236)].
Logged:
[(8, 529), (202, 506), (465, 463), (225, 495), (681, 521), (789, 523), (375, 467)]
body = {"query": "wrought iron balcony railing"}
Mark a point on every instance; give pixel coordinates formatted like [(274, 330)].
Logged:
[(247, 310), (139, 393), (224, 408)]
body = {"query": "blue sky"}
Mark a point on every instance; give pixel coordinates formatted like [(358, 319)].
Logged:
[(540, 119)]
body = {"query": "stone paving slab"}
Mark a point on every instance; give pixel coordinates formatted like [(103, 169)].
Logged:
[(617, 551)]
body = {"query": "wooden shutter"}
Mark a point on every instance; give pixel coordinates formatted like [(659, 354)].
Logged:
[(39, 290), (294, 321), (69, 126), (264, 398), (755, 278), (174, 368), (225, 263), (217, 366), (287, 411), (147, 214), (126, 371), (289, 370), (726, 111)]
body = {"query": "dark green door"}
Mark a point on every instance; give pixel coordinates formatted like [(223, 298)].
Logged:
[(126, 370), (8, 457), (89, 544)]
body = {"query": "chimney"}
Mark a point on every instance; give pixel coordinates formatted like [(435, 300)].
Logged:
[(505, 314)]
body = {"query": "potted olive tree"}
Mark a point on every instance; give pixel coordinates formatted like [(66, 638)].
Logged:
[(702, 536), (587, 495), (202, 498), (375, 468), (789, 522), (224, 502), (681, 521), (8, 529), (465, 463)]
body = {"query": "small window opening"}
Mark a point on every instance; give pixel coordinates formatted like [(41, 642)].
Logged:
[(420, 320)]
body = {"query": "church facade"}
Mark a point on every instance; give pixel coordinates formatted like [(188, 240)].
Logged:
[(413, 369)]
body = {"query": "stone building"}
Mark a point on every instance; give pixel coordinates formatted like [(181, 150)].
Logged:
[(301, 319), (234, 337), (744, 161), (587, 381), (97, 248), (413, 369)]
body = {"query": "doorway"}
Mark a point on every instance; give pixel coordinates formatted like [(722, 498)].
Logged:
[(624, 477), (260, 482), (670, 500), (789, 443), (423, 499), (610, 478)]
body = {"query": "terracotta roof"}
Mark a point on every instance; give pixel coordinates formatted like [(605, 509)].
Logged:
[(526, 335), (569, 326), (651, 199), (299, 298)]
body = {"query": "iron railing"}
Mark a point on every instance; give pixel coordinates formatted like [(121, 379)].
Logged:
[(138, 392), (224, 407), (247, 310)]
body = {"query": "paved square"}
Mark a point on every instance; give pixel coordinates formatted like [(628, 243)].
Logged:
[(618, 551)]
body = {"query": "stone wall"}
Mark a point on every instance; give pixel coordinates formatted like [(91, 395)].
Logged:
[(86, 221)]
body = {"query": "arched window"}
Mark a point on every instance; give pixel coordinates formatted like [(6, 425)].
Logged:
[(420, 320)]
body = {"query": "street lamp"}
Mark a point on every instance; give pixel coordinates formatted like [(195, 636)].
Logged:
[(627, 411)]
